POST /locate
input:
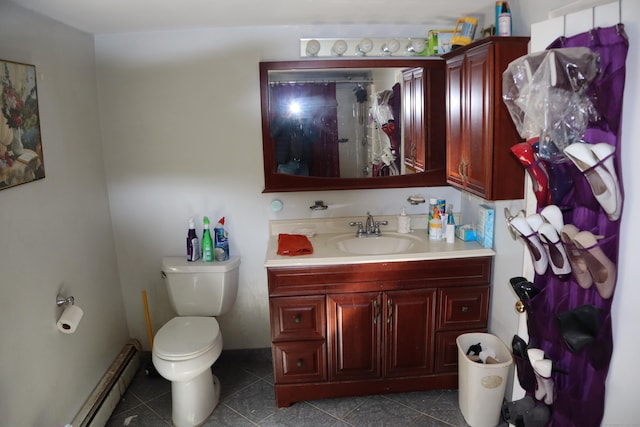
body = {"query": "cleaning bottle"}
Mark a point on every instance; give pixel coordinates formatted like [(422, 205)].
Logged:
[(207, 242), (193, 247), (221, 242)]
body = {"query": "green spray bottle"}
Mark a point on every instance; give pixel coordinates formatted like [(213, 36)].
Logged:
[(207, 242)]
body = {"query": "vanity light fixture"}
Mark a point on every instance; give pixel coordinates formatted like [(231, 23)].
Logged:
[(416, 46), (339, 47), (313, 47), (365, 46), (390, 47)]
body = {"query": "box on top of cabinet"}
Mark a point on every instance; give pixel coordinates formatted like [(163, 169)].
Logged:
[(486, 220)]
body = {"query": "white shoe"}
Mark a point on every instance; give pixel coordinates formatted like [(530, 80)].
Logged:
[(604, 184)]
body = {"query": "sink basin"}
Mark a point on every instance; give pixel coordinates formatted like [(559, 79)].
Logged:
[(384, 244)]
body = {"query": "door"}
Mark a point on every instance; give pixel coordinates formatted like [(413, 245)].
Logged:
[(354, 334), (409, 338)]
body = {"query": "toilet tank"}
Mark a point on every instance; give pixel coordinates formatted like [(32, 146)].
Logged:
[(201, 289)]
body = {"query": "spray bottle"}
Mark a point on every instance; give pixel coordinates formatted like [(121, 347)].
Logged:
[(193, 246), (221, 241), (207, 242)]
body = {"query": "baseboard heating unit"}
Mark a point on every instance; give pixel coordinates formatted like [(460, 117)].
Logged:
[(106, 396)]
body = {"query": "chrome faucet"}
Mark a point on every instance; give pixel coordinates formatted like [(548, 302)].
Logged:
[(371, 226)]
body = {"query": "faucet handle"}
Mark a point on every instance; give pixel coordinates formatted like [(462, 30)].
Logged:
[(360, 230)]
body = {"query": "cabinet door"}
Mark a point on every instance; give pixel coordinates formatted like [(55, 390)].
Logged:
[(479, 129), (353, 341), (414, 140), (409, 339), (456, 161)]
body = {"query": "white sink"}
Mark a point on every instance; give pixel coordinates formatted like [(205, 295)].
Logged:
[(384, 244)]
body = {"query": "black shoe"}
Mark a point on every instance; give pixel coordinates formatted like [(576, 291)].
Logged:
[(474, 350), (519, 347), (524, 289)]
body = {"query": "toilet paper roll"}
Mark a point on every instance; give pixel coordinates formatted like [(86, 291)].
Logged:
[(70, 319)]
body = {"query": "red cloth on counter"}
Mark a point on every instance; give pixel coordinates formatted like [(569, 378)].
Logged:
[(294, 244)]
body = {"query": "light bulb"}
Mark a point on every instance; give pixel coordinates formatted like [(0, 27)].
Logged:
[(391, 47), (339, 47), (365, 46), (313, 47), (416, 46)]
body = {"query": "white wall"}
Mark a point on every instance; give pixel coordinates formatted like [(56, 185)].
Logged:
[(56, 236), (182, 137)]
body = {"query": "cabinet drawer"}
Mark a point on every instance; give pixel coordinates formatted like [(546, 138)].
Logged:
[(297, 318), (463, 308), (299, 362), (447, 350)]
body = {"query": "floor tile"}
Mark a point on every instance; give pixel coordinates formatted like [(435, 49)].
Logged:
[(140, 416), (248, 400), (299, 415), (256, 401), (379, 411)]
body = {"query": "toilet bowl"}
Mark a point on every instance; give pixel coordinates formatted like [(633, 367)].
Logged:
[(186, 347), (184, 351)]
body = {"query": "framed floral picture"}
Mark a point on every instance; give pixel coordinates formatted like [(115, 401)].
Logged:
[(21, 158)]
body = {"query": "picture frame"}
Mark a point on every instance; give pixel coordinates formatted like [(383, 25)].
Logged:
[(21, 159)]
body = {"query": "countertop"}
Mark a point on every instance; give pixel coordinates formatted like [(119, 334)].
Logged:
[(323, 233)]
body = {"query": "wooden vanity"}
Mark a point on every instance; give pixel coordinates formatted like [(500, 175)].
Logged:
[(373, 327)]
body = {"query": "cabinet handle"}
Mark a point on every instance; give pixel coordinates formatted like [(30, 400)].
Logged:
[(376, 311), (297, 319), (390, 309), (464, 309), (466, 171), (300, 363), (460, 171)]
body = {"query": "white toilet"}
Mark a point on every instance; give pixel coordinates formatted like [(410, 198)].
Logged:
[(185, 348)]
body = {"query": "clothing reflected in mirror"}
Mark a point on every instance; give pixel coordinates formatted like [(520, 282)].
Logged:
[(385, 147)]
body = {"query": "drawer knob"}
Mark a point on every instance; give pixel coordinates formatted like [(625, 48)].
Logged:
[(300, 363), (520, 307), (298, 318), (464, 309)]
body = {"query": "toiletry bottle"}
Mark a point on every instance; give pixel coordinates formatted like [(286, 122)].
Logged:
[(207, 242), (435, 226), (221, 242), (404, 222), (193, 248), (432, 206), (504, 21)]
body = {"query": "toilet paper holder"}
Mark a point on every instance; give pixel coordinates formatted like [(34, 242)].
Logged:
[(60, 300)]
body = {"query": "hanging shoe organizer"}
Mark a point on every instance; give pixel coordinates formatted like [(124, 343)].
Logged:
[(573, 238)]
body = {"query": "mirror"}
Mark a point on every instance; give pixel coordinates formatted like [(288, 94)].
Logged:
[(353, 123)]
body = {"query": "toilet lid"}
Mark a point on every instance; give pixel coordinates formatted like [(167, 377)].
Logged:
[(186, 337)]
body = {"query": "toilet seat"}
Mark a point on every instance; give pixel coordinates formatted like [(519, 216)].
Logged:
[(188, 337)]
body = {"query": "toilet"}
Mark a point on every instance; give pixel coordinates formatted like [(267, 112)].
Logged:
[(186, 347)]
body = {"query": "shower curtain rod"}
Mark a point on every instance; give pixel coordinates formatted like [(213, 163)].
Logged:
[(290, 82)]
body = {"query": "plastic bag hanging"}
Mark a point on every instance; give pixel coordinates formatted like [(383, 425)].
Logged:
[(546, 95)]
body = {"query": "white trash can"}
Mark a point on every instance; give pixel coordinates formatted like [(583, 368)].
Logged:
[(481, 386)]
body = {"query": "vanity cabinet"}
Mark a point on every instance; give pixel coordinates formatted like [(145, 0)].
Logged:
[(373, 328), (479, 128)]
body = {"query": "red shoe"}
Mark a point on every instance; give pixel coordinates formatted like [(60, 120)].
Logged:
[(537, 170)]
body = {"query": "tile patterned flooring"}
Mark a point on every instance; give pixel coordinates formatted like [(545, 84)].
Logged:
[(247, 399)]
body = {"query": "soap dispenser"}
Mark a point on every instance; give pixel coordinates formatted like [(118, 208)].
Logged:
[(404, 222)]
